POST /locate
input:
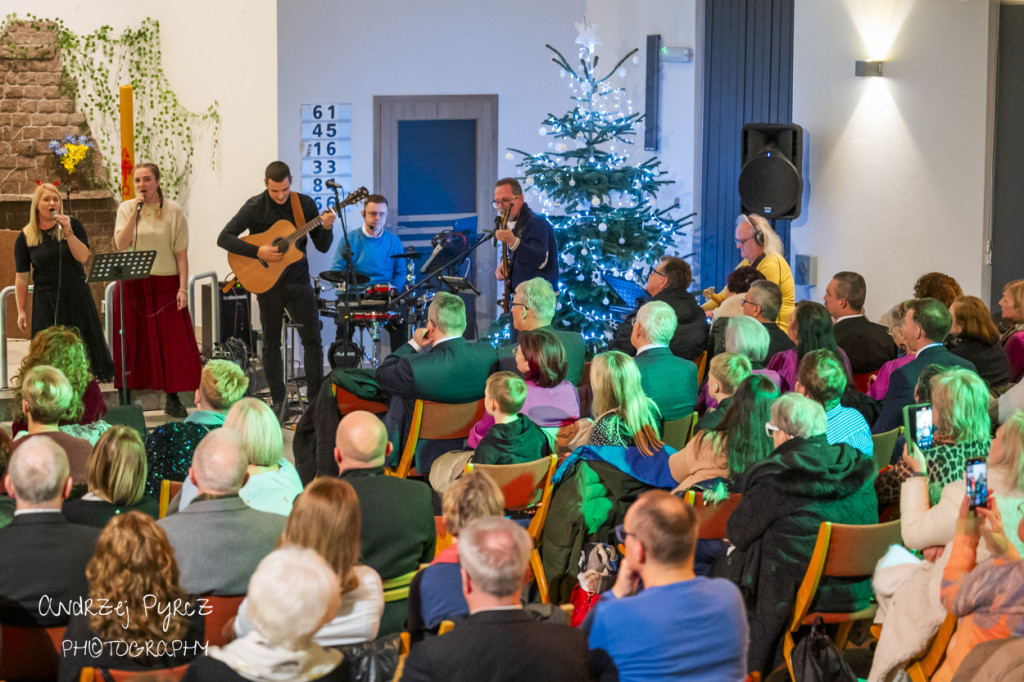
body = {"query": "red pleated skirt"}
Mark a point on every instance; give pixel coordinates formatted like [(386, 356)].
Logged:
[(160, 350)]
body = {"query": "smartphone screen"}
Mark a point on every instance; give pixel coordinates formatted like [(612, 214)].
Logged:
[(977, 482), (919, 425)]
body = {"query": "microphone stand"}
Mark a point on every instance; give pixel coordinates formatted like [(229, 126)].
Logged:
[(454, 261), (346, 255)]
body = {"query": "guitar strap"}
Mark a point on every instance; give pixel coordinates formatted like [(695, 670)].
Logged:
[(297, 215)]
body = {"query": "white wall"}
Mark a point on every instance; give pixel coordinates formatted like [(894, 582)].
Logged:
[(895, 166), (225, 51)]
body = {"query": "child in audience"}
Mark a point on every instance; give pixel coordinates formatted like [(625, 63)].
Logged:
[(514, 438)]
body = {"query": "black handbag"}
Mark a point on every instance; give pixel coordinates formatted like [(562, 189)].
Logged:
[(817, 659)]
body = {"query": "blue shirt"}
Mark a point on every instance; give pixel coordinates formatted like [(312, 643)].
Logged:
[(847, 425), (372, 257), (691, 630)]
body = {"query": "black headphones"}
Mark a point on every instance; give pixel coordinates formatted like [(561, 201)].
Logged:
[(758, 233)]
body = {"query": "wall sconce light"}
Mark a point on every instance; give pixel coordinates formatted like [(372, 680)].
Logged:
[(868, 68)]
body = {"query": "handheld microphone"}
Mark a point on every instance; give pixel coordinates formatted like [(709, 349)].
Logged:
[(331, 184)]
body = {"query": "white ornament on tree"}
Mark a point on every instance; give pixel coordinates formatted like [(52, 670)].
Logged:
[(602, 227), (596, 201)]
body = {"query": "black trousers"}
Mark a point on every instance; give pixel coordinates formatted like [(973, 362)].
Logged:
[(300, 302)]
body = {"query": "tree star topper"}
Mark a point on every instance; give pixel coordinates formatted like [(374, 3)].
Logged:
[(587, 35)]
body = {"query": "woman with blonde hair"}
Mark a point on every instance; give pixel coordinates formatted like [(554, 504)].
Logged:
[(221, 385), (273, 481), (1012, 307), (761, 248), (976, 338), (53, 247), (62, 348), (133, 571), (117, 480), (161, 351), (326, 518), (46, 397), (962, 429), (624, 415)]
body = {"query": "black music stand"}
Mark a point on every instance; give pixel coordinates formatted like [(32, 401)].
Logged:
[(119, 267)]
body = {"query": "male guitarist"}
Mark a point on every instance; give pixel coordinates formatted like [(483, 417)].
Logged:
[(530, 238), (293, 291)]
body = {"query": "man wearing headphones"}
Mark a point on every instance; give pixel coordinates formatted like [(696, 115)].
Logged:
[(762, 248)]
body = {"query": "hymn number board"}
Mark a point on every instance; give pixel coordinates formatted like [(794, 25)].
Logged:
[(326, 150)]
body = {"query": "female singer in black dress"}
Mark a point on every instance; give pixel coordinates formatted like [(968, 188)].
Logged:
[(53, 247)]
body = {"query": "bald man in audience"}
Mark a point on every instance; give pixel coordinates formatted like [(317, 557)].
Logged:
[(218, 539), (398, 531), (670, 381), (762, 302), (533, 307), (43, 557), (640, 628), (498, 641)]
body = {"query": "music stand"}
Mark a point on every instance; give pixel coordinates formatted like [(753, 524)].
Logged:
[(122, 266)]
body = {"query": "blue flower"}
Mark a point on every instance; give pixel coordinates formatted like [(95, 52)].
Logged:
[(54, 144), (69, 138)]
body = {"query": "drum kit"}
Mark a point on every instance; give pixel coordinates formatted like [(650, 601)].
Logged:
[(369, 306)]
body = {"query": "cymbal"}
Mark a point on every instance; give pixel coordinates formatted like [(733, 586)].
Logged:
[(341, 277), (407, 254)]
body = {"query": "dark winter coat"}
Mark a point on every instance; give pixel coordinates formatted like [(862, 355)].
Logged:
[(786, 497)]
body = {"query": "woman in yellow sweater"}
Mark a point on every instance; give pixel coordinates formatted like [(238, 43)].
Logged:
[(762, 248)]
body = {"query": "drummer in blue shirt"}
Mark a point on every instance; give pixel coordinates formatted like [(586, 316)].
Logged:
[(372, 250)]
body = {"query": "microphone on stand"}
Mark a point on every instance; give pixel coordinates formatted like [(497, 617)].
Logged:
[(331, 184)]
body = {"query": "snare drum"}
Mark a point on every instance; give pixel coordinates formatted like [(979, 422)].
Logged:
[(379, 295)]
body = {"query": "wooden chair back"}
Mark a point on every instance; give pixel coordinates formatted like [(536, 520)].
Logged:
[(349, 402), (30, 653), (678, 432), (437, 421), (105, 674), (702, 368), (883, 444), (862, 381), (223, 609), (168, 489), (712, 517), (923, 666)]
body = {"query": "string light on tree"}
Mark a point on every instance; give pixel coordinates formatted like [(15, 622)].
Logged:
[(601, 205)]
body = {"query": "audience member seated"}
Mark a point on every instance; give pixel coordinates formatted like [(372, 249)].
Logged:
[(907, 589), (670, 381), (725, 373), (170, 446), (810, 326), (668, 283), (272, 482), (44, 556), (62, 348), (746, 336), (398, 531), (117, 480), (762, 303), (762, 248), (866, 344), (623, 414), (894, 320), (326, 519), (551, 400), (738, 442), (925, 328), (637, 625), (218, 539), (821, 378), (436, 592), (737, 284), (46, 397), (6, 501), (987, 597), (962, 429), (786, 497), (498, 641), (1012, 308), (292, 594), (975, 337), (533, 308), (939, 286), (514, 437), (134, 573)]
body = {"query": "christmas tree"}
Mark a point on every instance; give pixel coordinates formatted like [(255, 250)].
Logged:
[(602, 207)]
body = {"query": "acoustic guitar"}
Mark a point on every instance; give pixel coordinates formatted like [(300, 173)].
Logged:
[(258, 275)]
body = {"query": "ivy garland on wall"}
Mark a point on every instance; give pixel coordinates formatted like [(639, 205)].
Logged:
[(95, 65)]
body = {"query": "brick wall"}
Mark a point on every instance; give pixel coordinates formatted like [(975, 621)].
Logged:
[(33, 111)]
